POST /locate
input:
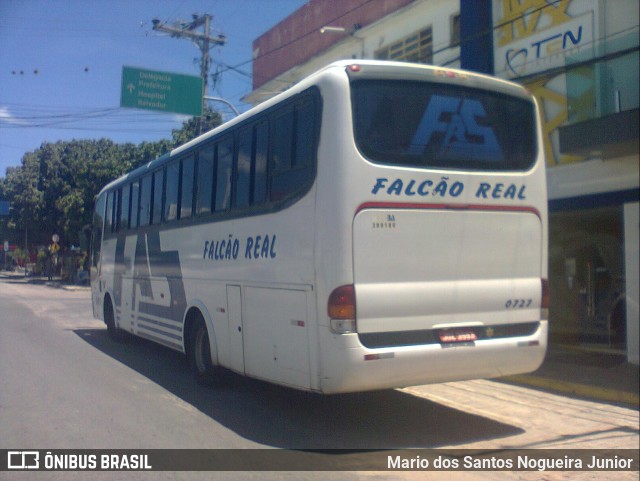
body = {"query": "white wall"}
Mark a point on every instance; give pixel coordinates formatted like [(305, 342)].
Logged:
[(592, 177), (619, 15)]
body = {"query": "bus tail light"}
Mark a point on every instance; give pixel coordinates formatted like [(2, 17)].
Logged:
[(544, 303), (342, 309)]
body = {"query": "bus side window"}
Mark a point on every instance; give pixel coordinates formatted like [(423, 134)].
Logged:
[(293, 152), (186, 191), (125, 204), (96, 232), (282, 153), (117, 209), (171, 192), (260, 164), (224, 165), (282, 141), (135, 208), (145, 201), (158, 187), (243, 166), (108, 225), (305, 119), (204, 180)]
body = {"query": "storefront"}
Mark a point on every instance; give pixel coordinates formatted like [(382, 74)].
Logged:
[(587, 275), (580, 59)]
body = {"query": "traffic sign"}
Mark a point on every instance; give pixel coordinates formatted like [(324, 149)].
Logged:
[(163, 91)]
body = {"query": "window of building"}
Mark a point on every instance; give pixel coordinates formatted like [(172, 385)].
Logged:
[(417, 47), (454, 28), (587, 276)]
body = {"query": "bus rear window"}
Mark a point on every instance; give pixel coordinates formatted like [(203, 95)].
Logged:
[(421, 124)]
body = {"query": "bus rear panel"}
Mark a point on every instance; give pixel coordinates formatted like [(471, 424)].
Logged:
[(448, 231)]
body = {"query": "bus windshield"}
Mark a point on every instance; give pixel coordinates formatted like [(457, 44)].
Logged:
[(431, 125)]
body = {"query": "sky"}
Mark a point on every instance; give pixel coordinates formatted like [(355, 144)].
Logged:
[(61, 65)]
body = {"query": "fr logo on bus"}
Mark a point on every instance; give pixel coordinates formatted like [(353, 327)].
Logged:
[(463, 137)]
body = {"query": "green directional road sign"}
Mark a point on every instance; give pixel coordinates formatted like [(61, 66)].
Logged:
[(164, 91)]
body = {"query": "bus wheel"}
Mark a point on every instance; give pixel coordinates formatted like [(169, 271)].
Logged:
[(200, 354), (110, 320)]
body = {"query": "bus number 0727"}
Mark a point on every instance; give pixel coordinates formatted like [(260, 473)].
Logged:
[(518, 303)]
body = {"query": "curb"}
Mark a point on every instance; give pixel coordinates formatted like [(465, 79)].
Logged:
[(66, 287), (39, 281), (582, 390)]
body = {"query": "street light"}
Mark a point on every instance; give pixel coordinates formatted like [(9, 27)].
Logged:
[(333, 30), (342, 30), (224, 101)]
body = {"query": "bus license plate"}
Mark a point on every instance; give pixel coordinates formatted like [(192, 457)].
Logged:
[(448, 336)]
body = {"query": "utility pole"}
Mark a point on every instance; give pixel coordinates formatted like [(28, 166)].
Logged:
[(203, 40)]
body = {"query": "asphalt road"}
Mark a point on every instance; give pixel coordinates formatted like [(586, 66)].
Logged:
[(65, 384)]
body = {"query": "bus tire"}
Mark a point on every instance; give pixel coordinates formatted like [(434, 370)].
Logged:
[(110, 320), (199, 354)]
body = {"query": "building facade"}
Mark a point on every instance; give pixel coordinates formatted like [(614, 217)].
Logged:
[(580, 59)]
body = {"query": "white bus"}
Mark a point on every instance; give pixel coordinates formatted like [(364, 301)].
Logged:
[(377, 225)]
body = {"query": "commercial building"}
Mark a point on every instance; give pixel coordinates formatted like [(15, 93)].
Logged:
[(580, 58)]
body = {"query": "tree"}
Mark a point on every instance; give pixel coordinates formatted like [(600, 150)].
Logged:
[(54, 189), (191, 128)]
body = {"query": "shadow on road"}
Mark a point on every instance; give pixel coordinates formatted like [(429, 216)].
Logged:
[(286, 418)]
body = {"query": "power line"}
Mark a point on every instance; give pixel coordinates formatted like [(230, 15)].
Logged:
[(94, 120)]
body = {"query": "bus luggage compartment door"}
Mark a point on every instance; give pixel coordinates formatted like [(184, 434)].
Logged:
[(276, 342), (422, 269), (236, 344)]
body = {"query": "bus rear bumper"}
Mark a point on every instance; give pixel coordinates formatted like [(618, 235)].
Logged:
[(351, 367)]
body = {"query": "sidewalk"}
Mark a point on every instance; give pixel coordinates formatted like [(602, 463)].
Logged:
[(587, 373), (18, 276)]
